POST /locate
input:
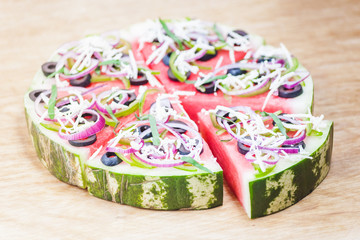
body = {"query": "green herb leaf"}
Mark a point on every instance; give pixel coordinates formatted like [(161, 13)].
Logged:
[(154, 130), (279, 124), (217, 32), (196, 164), (61, 70), (171, 34), (109, 62), (52, 101), (110, 112)]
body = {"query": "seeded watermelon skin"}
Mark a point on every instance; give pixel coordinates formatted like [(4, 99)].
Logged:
[(65, 165), (272, 194), (157, 192), (288, 183)]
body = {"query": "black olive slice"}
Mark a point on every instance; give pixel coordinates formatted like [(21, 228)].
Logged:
[(209, 88), (265, 59), (64, 109), (83, 142), (132, 97), (183, 151), (240, 32), (140, 80), (290, 93), (242, 148), (166, 59), (296, 145), (172, 76), (165, 103), (48, 68), (110, 159), (224, 114), (236, 71), (179, 130), (143, 128), (89, 117), (33, 95), (81, 82), (208, 56)]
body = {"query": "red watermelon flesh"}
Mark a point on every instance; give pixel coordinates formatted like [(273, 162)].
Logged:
[(228, 158)]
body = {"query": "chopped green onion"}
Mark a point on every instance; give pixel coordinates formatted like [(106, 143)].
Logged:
[(174, 70), (217, 32), (279, 124), (215, 78), (109, 62), (52, 101), (142, 99), (61, 70), (171, 34), (293, 68), (195, 163), (154, 130)]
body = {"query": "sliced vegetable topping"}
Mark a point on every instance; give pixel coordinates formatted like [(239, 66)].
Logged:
[(162, 138), (266, 138)]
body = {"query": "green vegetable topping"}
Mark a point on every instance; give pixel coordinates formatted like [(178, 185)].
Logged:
[(279, 124), (61, 70), (154, 130), (196, 164), (52, 101), (171, 34)]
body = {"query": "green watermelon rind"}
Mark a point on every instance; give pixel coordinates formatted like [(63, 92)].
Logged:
[(199, 190), (283, 189)]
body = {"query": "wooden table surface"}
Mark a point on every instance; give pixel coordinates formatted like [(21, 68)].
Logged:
[(324, 35)]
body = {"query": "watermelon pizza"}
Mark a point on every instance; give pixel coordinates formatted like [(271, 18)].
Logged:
[(154, 115)]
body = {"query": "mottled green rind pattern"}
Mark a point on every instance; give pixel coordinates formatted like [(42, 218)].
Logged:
[(161, 193), (279, 191), (64, 165)]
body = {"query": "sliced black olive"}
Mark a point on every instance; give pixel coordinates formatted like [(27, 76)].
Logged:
[(89, 117), (240, 32), (290, 93), (265, 59), (48, 68), (296, 145), (81, 82), (142, 129), (64, 109), (83, 142), (165, 103), (33, 95), (140, 80), (173, 78), (110, 159), (179, 130), (221, 113), (236, 71), (209, 88), (208, 56), (280, 119), (242, 148), (132, 97), (183, 151), (166, 59)]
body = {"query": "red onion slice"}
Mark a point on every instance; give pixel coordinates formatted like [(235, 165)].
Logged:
[(290, 85), (159, 163), (127, 150), (93, 66), (96, 127)]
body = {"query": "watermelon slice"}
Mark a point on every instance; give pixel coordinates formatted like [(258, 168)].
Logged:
[(263, 192), (254, 51), (167, 170)]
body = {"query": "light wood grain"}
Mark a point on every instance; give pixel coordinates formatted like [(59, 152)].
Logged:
[(324, 35)]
